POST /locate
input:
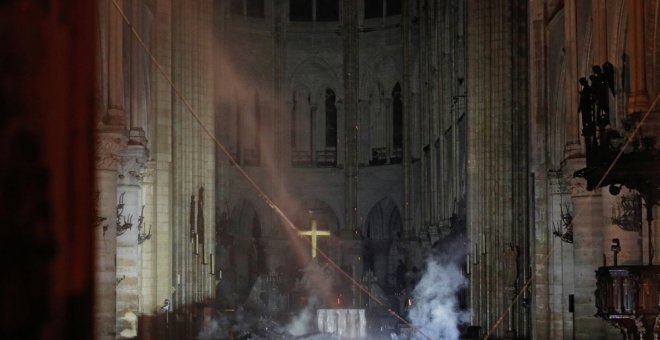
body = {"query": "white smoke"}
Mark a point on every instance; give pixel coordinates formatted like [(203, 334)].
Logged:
[(210, 330), (435, 311), (300, 324), (317, 282)]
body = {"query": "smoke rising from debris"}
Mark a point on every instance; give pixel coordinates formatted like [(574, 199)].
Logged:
[(436, 311)]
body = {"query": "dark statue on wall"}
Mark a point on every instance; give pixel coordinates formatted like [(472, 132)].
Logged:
[(594, 109), (611, 160), (624, 293)]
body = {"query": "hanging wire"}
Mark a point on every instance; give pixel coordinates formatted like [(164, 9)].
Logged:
[(254, 185), (577, 213)]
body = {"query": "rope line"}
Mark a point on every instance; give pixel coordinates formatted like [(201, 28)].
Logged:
[(607, 172)]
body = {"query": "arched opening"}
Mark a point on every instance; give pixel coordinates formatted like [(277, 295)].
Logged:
[(327, 155), (246, 255), (301, 129), (382, 227)]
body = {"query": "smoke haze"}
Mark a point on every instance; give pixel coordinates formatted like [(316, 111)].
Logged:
[(435, 310)]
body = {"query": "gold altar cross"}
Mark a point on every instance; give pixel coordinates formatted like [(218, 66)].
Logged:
[(314, 234)]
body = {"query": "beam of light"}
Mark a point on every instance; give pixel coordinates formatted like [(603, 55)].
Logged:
[(265, 197)]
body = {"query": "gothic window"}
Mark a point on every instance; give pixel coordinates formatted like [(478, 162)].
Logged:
[(236, 7), (382, 226), (255, 8), (397, 123), (300, 10), (327, 10), (244, 129), (330, 119), (373, 9), (303, 10), (251, 8), (393, 7), (301, 129), (378, 128), (252, 129)]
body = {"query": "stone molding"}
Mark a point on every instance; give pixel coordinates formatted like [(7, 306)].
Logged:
[(148, 172), (108, 149), (133, 159)]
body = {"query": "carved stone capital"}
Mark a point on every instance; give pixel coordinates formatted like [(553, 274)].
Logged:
[(136, 136), (148, 172), (578, 187), (133, 158), (559, 183), (108, 148)]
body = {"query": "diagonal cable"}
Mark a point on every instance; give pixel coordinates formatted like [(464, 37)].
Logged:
[(265, 197), (607, 172)]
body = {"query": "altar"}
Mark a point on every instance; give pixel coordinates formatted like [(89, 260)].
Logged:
[(343, 323)]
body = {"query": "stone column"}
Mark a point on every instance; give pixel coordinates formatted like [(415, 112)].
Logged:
[(138, 81), (149, 302), (538, 168), (193, 157), (115, 114), (497, 155), (560, 282), (111, 141), (599, 32), (638, 100), (573, 148), (351, 96), (129, 203), (588, 238), (109, 145), (162, 154), (406, 93)]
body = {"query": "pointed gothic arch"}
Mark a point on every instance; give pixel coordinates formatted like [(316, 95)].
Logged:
[(301, 127), (247, 257), (383, 112), (382, 226), (251, 129), (314, 114)]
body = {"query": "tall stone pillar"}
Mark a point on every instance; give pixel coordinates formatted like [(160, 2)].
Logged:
[(111, 141), (147, 270), (139, 79), (109, 145), (588, 238), (561, 255), (351, 122), (407, 96), (193, 160), (115, 114), (497, 159), (161, 152), (638, 100), (599, 32), (129, 203), (573, 148)]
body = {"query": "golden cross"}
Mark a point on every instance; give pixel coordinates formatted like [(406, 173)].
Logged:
[(314, 234)]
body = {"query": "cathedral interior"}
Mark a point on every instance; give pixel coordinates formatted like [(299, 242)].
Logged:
[(326, 169)]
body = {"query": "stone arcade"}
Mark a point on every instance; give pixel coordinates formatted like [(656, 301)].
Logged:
[(514, 142)]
